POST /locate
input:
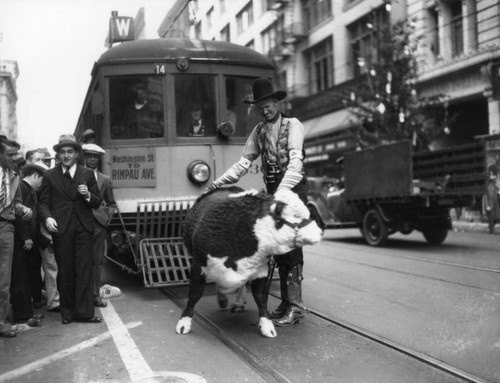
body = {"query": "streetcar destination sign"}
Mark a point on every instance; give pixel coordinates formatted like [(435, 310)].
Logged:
[(132, 167)]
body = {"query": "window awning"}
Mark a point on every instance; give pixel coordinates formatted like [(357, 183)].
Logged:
[(328, 123)]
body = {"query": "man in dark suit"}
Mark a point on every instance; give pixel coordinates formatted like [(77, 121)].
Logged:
[(68, 194), (103, 214), (25, 264)]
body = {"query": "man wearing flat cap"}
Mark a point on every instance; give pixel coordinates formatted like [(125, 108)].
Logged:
[(68, 194), (26, 264), (103, 214), (279, 140)]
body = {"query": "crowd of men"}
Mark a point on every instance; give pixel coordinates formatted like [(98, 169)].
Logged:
[(53, 217)]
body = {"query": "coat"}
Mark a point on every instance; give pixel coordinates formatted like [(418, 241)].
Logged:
[(491, 202), (59, 200), (105, 211)]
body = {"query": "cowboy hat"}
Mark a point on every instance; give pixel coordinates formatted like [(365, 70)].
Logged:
[(67, 140), (92, 148), (263, 89)]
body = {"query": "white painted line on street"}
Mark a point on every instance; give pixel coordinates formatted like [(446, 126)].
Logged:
[(132, 358), (59, 355)]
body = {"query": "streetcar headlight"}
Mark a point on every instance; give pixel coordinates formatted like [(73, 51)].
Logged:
[(198, 172)]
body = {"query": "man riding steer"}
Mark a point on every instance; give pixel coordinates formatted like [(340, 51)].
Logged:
[(232, 235)]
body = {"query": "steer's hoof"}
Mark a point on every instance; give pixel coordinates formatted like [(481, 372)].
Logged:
[(266, 328), (237, 308), (222, 301), (184, 326)]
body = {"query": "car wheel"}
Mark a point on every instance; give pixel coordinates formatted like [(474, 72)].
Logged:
[(435, 233), (375, 229)]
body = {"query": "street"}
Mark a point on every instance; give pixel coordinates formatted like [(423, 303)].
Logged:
[(440, 301), (443, 301)]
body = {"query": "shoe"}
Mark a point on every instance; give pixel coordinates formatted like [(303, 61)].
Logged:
[(38, 316), (89, 320), (33, 322), (67, 321), (99, 303), (56, 309), (10, 333), (293, 315), (280, 310)]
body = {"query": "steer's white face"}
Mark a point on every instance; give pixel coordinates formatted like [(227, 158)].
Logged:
[(280, 241)]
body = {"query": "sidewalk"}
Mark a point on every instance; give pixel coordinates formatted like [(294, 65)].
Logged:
[(471, 222)]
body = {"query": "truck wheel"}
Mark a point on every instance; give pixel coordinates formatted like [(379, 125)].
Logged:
[(375, 230), (436, 233), (316, 217)]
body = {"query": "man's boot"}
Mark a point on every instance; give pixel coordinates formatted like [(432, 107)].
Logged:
[(283, 307), (296, 309)]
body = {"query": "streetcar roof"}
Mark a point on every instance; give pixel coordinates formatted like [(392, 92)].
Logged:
[(173, 49)]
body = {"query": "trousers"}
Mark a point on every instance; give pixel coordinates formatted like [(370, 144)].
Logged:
[(6, 254)]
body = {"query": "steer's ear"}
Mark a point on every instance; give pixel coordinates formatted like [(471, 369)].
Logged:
[(276, 212)]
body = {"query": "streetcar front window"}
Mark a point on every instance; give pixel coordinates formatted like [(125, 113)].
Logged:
[(243, 116), (195, 105), (136, 107)]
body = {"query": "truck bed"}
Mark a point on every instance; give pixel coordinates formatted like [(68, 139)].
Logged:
[(392, 171)]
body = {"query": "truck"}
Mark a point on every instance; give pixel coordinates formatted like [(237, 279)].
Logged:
[(387, 189)]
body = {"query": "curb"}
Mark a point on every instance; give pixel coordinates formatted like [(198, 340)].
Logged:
[(472, 227)]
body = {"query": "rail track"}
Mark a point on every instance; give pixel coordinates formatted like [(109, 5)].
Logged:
[(273, 375)]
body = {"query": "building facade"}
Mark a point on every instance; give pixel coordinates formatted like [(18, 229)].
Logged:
[(321, 49), (9, 72)]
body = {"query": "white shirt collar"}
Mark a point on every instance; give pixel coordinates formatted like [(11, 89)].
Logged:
[(72, 170)]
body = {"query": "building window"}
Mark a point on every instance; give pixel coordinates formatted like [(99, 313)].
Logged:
[(365, 35), (225, 34), (316, 11), (433, 27), (320, 59), (244, 19), (210, 14), (197, 30), (222, 5), (272, 37), (457, 29)]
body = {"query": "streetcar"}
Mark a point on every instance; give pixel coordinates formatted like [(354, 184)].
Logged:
[(170, 116)]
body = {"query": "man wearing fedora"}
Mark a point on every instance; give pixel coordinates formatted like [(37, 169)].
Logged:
[(26, 279), (103, 214), (68, 194), (279, 140)]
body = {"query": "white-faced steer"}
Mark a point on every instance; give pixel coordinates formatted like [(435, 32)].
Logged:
[(232, 235)]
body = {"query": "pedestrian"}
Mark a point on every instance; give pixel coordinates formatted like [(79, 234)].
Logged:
[(68, 194), (88, 137), (491, 199), (103, 214), (46, 247), (26, 260), (36, 156), (279, 141), (10, 207)]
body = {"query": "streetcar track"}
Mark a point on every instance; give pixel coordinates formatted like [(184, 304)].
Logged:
[(409, 257), (270, 374), (267, 372), (415, 275), (426, 359)]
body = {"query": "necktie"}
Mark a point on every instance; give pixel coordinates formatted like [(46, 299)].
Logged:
[(2, 192), (67, 174)]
